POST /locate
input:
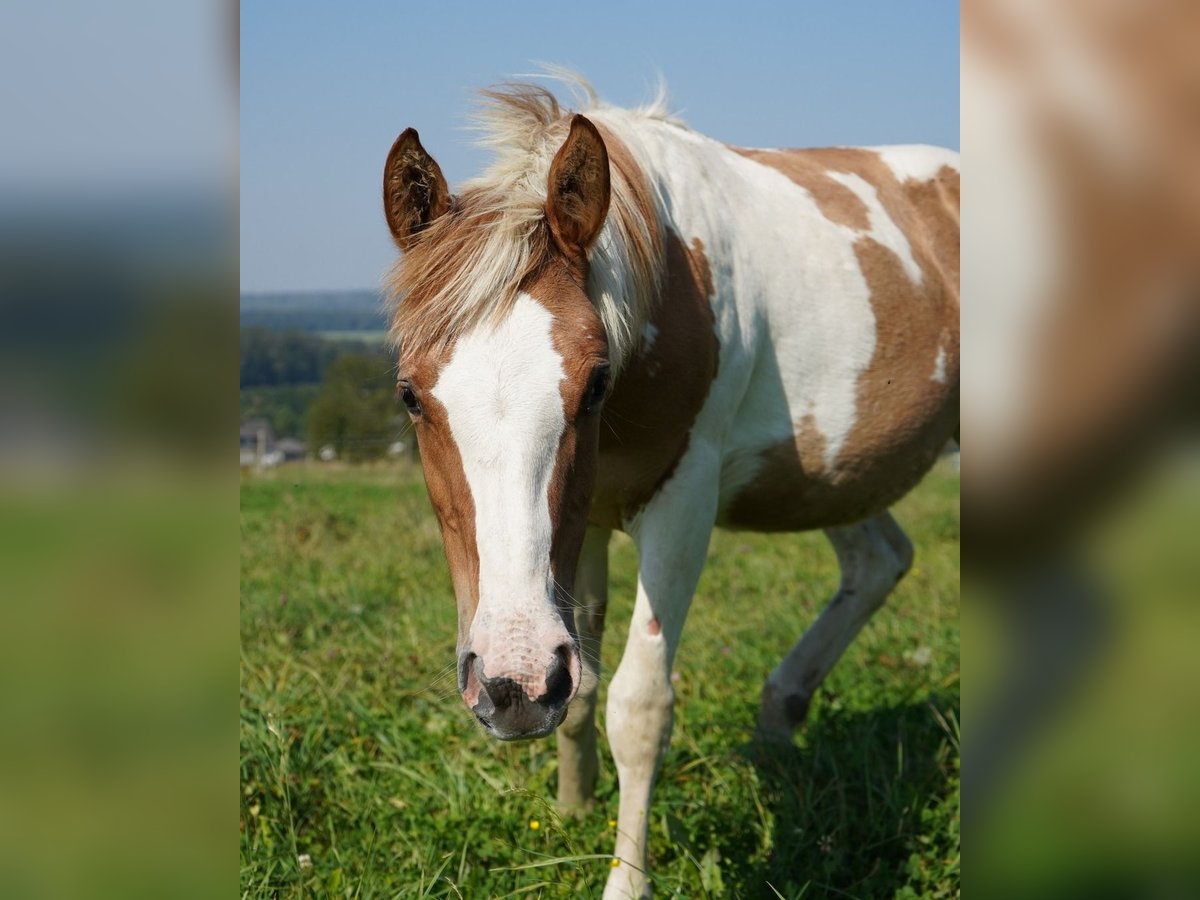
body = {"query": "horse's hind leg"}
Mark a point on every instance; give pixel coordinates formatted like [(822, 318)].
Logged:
[(873, 556), (577, 760)]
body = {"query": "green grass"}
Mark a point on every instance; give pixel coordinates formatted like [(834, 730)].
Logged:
[(357, 752)]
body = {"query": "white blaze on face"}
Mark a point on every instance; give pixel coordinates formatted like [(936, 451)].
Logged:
[(501, 394)]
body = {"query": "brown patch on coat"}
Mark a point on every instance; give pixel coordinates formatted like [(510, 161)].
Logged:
[(791, 490), (701, 274), (927, 212), (446, 483), (579, 339), (902, 414), (647, 420), (836, 201), (903, 417)]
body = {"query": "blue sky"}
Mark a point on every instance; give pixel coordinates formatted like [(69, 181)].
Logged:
[(327, 87)]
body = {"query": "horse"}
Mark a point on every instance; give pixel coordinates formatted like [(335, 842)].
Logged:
[(623, 324)]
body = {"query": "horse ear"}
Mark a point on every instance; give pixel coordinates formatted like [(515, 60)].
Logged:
[(414, 189), (578, 191)]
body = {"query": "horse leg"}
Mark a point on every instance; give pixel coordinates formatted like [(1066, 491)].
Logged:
[(672, 534), (873, 555), (577, 760)]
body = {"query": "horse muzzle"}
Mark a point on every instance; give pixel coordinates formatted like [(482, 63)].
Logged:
[(515, 698)]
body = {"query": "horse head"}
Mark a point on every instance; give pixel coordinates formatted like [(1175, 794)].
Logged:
[(505, 400)]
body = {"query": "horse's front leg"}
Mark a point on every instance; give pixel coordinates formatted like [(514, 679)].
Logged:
[(577, 760), (672, 534)]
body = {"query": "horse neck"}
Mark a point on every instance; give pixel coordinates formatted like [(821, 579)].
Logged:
[(630, 262)]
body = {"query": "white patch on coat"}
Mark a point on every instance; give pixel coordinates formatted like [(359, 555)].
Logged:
[(919, 162), (939, 367), (882, 228), (501, 394)]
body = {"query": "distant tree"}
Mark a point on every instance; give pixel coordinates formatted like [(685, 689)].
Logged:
[(286, 421), (285, 406), (292, 357), (288, 357), (355, 410)]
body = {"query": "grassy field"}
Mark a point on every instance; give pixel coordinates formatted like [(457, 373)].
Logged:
[(363, 775)]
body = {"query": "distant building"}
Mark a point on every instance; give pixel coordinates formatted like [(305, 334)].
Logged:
[(291, 449), (256, 438), (258, 446)]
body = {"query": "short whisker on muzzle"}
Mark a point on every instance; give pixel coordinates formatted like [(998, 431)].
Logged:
[(559, 587), (442, 686), (588, 646)]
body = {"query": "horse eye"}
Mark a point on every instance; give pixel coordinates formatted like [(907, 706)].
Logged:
[(597, 389), (408, 398)]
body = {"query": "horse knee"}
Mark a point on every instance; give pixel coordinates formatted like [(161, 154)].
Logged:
[(899, 544), (638, 720), (884, 555), (903, 555)]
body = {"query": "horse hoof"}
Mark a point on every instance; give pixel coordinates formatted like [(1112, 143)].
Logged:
[(774, 736), (780, 715)]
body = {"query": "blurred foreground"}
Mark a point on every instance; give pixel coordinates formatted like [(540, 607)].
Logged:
[(118, 511), (1081, 471)]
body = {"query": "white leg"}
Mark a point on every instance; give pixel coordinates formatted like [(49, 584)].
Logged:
[(873, 556), (672, 535), (576, 737)]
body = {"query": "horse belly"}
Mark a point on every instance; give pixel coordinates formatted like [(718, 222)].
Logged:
[(790, 485)]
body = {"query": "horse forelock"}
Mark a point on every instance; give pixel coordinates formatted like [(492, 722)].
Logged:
[(467, 268)]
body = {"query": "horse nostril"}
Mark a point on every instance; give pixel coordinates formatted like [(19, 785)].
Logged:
[(465, 662), (503, 693), (558, 677)]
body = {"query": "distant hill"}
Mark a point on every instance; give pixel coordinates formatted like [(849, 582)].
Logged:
[(315, 311)]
